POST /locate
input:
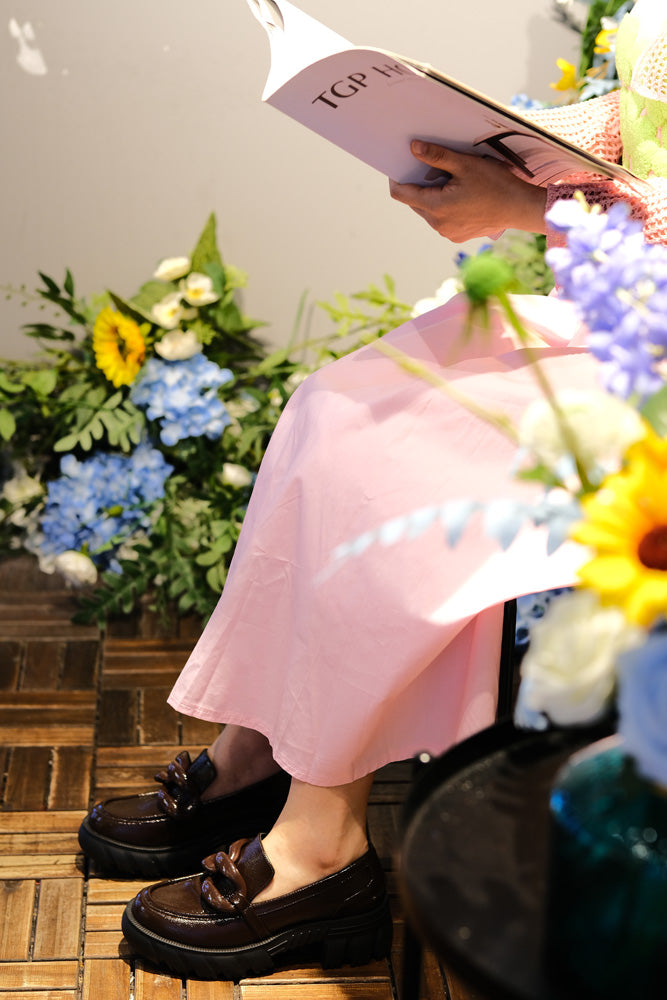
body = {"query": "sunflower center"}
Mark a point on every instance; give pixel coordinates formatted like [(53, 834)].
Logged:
[(652, 549)]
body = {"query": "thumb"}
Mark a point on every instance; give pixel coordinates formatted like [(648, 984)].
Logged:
[(434, 155)]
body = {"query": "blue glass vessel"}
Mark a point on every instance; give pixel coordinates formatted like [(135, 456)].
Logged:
[(606, 924)]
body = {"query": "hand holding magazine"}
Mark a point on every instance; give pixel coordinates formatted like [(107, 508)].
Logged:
[(372, 103)]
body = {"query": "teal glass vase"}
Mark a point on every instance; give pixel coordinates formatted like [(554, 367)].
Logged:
[(606, 919)]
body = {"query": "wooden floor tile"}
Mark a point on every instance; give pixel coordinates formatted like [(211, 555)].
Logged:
[(16, 904), (42, 822), (152, 985), (10, 662), (38, 843), (106, 977), (38, 995), (105, 944), (71, 778), (58, 927), (200, 989), (325, 990), (41, 976), (36, 866), (80, 665), (28, 777), (42, 663)]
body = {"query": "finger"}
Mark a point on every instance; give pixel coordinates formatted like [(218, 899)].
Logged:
[(436, 156)]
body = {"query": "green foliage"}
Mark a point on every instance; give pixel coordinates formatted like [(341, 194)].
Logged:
[(598, 10)]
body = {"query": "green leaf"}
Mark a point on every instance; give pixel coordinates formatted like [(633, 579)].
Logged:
[(149, 294), (69, 283), (128, 309), (46, 331), (274, 360), (206, 251), (7, 425), (6, 385), (42, 382)]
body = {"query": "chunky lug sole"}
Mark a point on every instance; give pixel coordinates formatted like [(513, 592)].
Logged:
[(152, 862), (346, 941)]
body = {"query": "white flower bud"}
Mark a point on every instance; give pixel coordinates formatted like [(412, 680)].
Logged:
[(235, 475), (172, 268), (178, 345), (77, 568)]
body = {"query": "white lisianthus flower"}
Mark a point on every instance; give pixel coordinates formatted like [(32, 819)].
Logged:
[(21, 488), (168, 312), (77, 568), (569, 671), (178, 345), (172, 268), (293, 381), (447, 290), (242, 406), (197, 289), (602, 425), (236, 475)]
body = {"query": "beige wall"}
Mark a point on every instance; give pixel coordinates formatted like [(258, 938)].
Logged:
[(148, 116)]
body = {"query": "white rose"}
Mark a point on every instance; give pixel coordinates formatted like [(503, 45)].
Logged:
[(177, 345), (235, 475), (168, 313), (21, 488), (569, 671), (77, 568), (197, 289), (602, 425), (447, 290), (172, 268)]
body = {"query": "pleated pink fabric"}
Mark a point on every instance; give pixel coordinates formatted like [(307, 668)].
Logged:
[(396, 651)]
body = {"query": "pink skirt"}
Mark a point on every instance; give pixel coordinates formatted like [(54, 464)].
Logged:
[(347, 667)]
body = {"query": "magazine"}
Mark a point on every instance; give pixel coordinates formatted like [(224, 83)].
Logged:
[(372, 103)]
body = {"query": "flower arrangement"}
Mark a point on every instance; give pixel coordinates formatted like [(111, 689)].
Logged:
[(130, 444), (601, 456)]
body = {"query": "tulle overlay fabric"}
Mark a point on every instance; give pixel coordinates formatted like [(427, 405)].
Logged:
[(396, 651)]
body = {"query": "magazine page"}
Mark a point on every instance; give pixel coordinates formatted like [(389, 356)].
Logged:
[(373, 104), (296, 40)]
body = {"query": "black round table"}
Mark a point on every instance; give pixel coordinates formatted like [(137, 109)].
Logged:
[(473, 857)]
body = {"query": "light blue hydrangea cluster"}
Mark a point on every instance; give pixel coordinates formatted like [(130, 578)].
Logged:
[(96, 504), (182, 397), (619, 284), (523, 102)]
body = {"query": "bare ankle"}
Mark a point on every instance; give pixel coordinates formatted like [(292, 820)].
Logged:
[(241, 757)]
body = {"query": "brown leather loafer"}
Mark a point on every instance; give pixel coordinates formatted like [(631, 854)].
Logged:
[(169, 831), (208, 926)]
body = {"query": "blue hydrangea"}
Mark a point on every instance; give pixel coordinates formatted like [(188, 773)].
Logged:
[(182, 397), (522, 102), (619, 284), (96, 504)]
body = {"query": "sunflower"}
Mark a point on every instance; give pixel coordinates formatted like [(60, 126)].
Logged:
[(626, 526), (119, 346)]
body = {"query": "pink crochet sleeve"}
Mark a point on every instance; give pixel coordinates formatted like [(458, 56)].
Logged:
[(595, 126), (591, 125), (648, 201)]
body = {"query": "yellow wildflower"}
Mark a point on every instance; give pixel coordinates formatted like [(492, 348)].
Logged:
[(119, 346), (626, 526), (605, 41), (568, 80)]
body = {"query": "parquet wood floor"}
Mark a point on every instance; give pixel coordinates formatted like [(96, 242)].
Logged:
[(82, 716)]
